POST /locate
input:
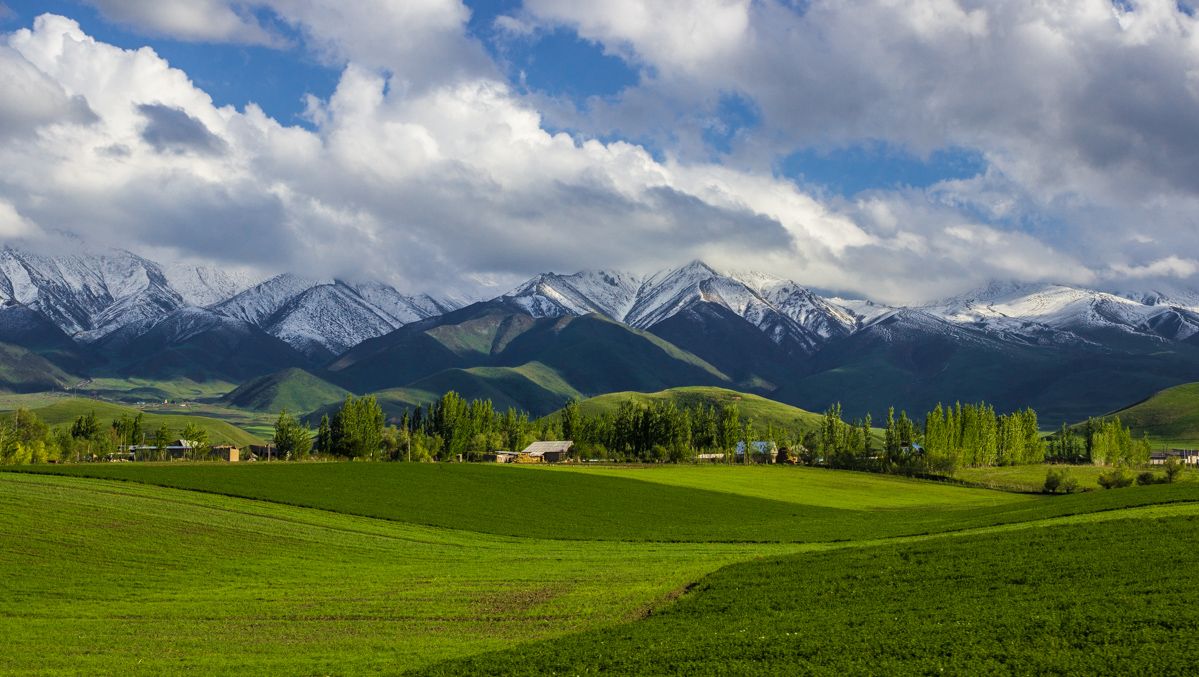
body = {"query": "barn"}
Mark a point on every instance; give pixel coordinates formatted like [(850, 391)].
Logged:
[(548, 452)]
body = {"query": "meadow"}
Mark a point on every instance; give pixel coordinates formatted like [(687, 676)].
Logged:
[(356, 568), (63, 411)]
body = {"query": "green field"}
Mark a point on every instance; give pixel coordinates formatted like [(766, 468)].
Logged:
[(64, 411), (359, 568), (1002, 603)]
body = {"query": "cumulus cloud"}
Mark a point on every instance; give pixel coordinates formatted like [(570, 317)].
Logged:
[(427, 169)]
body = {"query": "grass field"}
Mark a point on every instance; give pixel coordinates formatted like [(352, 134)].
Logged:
[(1004, 603), (581, 505), (469, 569), (64, 411), (104, 578)]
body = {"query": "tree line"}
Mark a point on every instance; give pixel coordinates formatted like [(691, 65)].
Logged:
[(453, 428)]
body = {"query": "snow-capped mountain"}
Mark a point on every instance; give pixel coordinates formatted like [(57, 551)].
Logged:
[(92, 295), (203, 286), (788, 313), (87, 295), (324, 318), (1047, 310)]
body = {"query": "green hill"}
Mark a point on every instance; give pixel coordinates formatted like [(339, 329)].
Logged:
[(763, 411), (23, 371), (588, 354), (64, 412), (1169, 416), (292, 389)]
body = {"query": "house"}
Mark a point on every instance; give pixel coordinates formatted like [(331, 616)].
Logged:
[(227, 452), (500, 457), (1187, 456), (547, 452)]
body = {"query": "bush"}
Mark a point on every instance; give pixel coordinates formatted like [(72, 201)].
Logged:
[(1115, 479), (1053, 480), (1147, 478), (1069, 485), (1174, 468)]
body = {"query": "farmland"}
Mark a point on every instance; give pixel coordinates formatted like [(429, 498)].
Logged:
[(356, 568)]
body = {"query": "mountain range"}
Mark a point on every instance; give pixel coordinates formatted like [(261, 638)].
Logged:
[(1068, 351)]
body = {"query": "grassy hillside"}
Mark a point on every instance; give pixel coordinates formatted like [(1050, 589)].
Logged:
[(588, 354), (1171, 415), (23, 371), (532, 387), (65, 411), (292, 389), (1005, 603), (763, 411)]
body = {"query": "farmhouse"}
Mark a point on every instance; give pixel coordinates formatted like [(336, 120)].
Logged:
[(1187, 456), (500, 457), (547, 452)]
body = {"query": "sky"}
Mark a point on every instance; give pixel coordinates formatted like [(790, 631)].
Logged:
[(896, 151)]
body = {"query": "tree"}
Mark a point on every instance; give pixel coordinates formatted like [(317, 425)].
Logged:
[(357, 428), (162, 439), (292, 440), (198, 438), (324, 437)]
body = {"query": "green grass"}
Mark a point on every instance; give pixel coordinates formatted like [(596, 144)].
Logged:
[(532, 570), (763, 411), (23, 370), (1101, 598), (64, 412), (1170, 416), (106, 578), (295, 390), (135, 389), (806, 486), (535, 503), (1031, 478)]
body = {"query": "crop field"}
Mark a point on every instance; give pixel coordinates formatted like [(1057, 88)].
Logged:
[(356, 568), (583, 505)]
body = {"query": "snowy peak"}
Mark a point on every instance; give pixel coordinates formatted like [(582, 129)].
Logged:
[(324, 318), (87, 295), (608, 293), (203, 286), (1015, 307), (787, 312)]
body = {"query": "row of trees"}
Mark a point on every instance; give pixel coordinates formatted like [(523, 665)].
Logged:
[(25, 438)]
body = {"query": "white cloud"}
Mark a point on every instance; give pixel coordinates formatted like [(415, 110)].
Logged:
[(191, 20), (1170, 266), (427, 169)]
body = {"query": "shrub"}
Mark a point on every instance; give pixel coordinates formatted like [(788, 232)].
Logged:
[(1146, 478), (1069, 484), (1053, 480), (1174, 468), (1115, 479)]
